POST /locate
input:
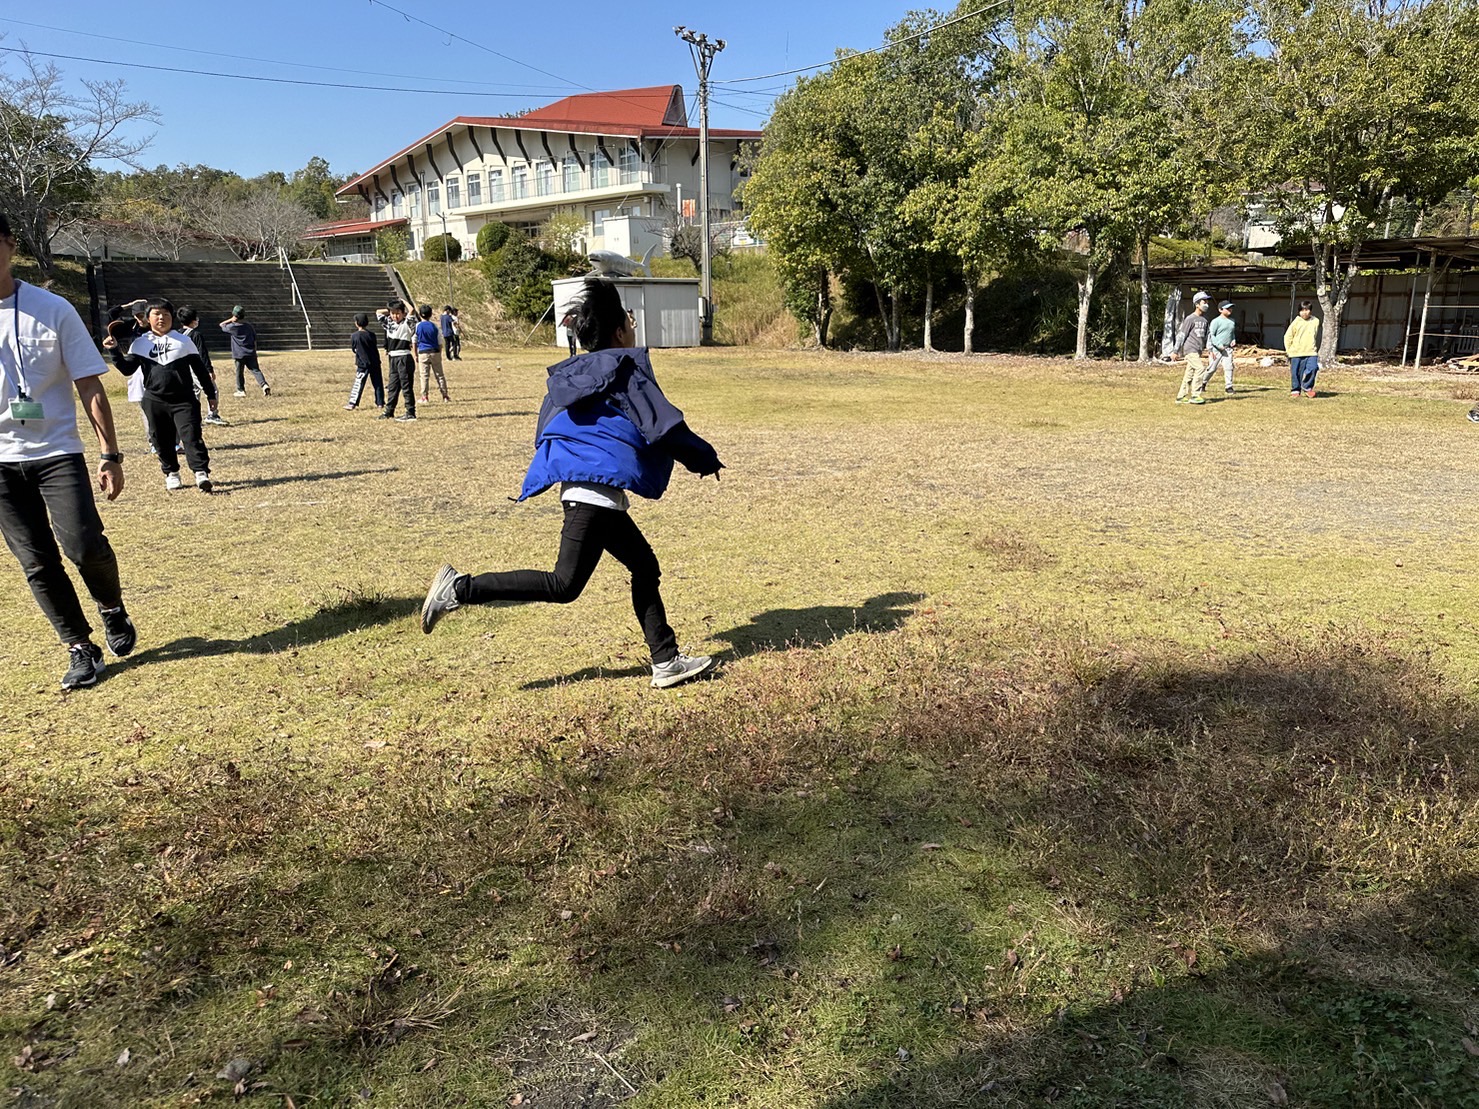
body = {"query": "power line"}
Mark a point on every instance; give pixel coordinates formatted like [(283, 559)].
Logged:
[(279, 61), (861, 53), (254, 77)]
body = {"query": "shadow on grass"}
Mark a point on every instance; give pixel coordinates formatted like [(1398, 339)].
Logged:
[(814, 627), (1083, 879), (499, 415), (327, 623), (293, 479)]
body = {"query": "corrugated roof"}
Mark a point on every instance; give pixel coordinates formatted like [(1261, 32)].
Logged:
[(350, 227)]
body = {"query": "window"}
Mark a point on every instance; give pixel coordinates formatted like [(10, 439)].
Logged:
[(454, 193), (433, 198), (572, 173), (410, 240), (413, 199), (598, 220), (544, 179), (521, 182), (495, 185), (630, 165), (379, 205), (395, 204), (600, 169), (474, 189)]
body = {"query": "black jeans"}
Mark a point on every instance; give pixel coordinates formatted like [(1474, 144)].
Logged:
[(453, 346), (402, 380), (61, 486), (588, 532), (372, 375), (176, 422), (249, 363)]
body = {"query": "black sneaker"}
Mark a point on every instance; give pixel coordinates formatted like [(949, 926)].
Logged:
[(118, 630), (406, 419), (441, 598), (1474, 415), (86, 665)]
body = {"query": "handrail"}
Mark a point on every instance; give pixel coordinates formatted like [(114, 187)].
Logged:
[(283, 263)]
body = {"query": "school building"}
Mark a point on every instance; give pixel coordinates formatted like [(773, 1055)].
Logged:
[(624, 162)]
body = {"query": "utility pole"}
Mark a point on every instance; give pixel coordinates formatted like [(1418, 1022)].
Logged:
[(447, 257), (703, 50)]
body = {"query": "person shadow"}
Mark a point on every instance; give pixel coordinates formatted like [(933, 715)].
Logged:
[(329, 622)]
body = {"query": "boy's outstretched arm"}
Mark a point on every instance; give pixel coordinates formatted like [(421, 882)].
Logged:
[(691, 451)]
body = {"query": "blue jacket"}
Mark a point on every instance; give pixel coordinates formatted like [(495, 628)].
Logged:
[(605, 420)]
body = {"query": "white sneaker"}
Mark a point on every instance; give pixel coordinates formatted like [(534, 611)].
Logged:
[(239, 393), (172, 481), (203, 481), (679, 669)]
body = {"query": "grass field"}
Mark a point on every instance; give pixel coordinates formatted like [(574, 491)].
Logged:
[(1069, 747)]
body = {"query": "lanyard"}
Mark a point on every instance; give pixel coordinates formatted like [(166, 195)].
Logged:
[(20, 355)]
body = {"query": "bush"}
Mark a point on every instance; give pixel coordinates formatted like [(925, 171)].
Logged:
[(519, 275), (491, 236), (442, 248), (391, 244)]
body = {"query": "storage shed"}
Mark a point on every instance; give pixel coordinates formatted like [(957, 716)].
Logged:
[(665, 308)]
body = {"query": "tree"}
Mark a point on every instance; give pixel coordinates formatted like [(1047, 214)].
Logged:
[(258, 226), (49, 140), (1350, 109), (391, 245), (491, 236)]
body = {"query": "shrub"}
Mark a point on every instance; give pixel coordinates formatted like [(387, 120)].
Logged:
[(391, 244), (562, 235), (491, 236), (519, 275), (442, 248)]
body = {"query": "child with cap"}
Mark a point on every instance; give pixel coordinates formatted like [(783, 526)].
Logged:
[(605, 429), (366, 363), (1191, 341), (1221, 338), (244, 351)]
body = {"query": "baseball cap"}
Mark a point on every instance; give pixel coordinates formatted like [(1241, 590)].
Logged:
[(1199, 296), (1224, 304), (238, 311)]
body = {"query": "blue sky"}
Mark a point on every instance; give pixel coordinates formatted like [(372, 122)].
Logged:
[(251, 126)]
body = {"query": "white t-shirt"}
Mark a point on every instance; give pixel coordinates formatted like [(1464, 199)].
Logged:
[(44, 342)]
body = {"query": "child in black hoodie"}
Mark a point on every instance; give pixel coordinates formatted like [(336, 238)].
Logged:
[(168, 361)]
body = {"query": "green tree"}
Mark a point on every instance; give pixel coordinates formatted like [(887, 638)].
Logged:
[(1349, 109), (491, 236), (442, 248), (391, 245), (520, 275)]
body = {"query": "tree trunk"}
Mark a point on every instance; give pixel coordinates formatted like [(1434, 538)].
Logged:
[(1085, 300), (1144, 299), (970, 313), (1332, 290), (929, 311), (895, 330)]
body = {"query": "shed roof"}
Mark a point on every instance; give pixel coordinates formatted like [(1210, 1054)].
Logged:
[(351, 227), (1456, 251), (1225, 276)]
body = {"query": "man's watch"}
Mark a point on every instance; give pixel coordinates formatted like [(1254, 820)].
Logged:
[(111, 457)]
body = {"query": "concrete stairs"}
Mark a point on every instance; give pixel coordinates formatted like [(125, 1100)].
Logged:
[(332, 294)]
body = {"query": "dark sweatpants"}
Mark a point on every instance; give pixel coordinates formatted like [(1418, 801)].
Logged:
[(588, 533), (62, 487), (176, 422), (402, 380), (249, 362)]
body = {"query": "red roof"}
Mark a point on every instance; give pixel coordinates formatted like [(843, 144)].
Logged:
[(657, 111), (350, 227)]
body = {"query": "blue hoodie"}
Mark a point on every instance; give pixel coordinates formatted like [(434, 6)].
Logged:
[(605, 420)]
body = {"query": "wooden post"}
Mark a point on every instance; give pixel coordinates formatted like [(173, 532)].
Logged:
[(1422, 330)]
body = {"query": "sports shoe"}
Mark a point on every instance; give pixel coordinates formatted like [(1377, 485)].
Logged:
[(350, 407), (267, 390), (1229, 389), (1474, 415), (1295, 393), (86, 665), (118, 630), (680, 668), (203, 481), (409, 417), (1181, 400), (425, 400), (441, 598), (385, 416), (172, 481), (1309, 392), (1196, 400), (214, 418), (239, 393)]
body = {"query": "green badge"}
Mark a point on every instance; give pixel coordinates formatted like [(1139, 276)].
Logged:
[(26, 410)]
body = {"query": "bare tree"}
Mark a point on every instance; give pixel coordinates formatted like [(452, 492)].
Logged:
[(256, 225), (49, 140)]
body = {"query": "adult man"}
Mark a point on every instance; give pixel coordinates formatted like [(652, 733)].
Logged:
[(244, 350), (45, 352), (1222, 336), (1191, 341)]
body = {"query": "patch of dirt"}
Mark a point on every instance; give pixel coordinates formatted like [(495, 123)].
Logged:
[(564, 1059)]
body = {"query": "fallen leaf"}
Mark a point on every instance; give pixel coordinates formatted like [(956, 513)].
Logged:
[(1013, 959), (929, 846), (236, 1070), (583, 1038), (731, 1004), (1190, 955), (123, 1058), (1277, 1094), (517, 1099), (896, 954), (903, 1054), (1470, 1046)]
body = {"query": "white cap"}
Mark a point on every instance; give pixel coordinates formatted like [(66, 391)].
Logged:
[(1199, 296)]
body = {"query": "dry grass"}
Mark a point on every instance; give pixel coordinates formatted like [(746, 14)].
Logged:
[(1069, 746)]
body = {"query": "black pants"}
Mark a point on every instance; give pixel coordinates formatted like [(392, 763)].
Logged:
[(62, 487), (249, 363), (172, 422), (372, 375), (453, 346), (402, 381), (588, 532)]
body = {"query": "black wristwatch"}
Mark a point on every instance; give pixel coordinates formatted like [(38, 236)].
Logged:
[(105, 457)]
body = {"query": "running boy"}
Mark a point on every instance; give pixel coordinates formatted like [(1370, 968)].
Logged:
[(167, 361), (244, 351), (605, 429), (398, 340), (366, 364)]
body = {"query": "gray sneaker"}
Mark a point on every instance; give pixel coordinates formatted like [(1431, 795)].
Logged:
[(679, 669), (441, 598), (86, 665)]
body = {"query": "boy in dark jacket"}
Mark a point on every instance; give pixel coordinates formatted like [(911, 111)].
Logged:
[(398, 342), (605, 429), (366, 364), (168, 361), (190, 328)]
